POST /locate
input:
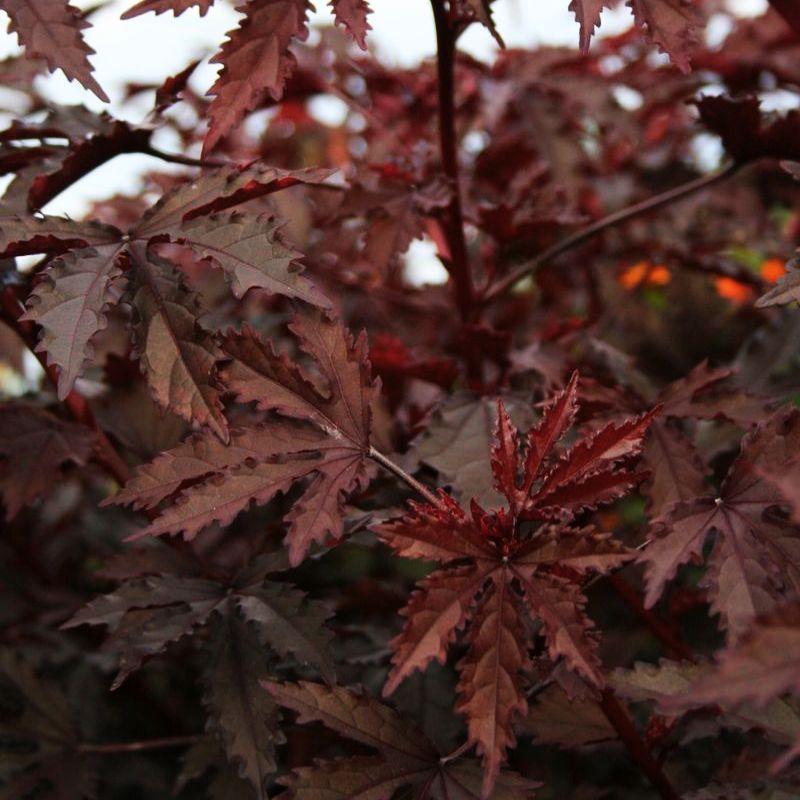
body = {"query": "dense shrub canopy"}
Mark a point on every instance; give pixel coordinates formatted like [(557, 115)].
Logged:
[(283, 520)]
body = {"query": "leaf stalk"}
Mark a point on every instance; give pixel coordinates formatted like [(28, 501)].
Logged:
[(399, 472)]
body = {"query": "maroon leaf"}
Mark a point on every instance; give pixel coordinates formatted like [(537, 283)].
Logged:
[(751, 549), (352, 15), (671, 24), (177, 7), (511, 571), (20, 236), (256, 62), (490, 689), (406, 757), (789, 11), (52, 29), (70, 307), (746, 133), (587, 12), (251, 254), (176, 358), (34, 448), (244, 716)]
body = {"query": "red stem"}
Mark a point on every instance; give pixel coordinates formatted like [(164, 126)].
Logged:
[(620, 720), (673, 644), (458, 265)]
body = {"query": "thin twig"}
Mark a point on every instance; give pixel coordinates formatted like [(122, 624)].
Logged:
[(135, 747), (620, 720), (397, 470), (617, 218), (458, 265), (187, 161)]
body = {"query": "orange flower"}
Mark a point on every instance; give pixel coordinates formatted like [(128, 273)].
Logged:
[(772, 269), (659, 275), (634, 275), (733, 290), (645, 272)]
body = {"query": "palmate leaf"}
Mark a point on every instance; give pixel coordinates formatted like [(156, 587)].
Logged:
[(34, 448), (256, 62), (244, 716), (70, 303), (51, 29), (212, 483), (677, 470), (755, 560), (289, 453), (406, 757), (145, 615), (341, 406), (500, 575)]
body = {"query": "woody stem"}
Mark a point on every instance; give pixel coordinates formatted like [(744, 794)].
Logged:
[(458, 265)]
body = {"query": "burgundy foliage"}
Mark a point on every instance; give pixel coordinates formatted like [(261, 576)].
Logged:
[(281, 521)]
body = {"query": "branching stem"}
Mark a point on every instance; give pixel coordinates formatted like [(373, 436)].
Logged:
[(617, 218)]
